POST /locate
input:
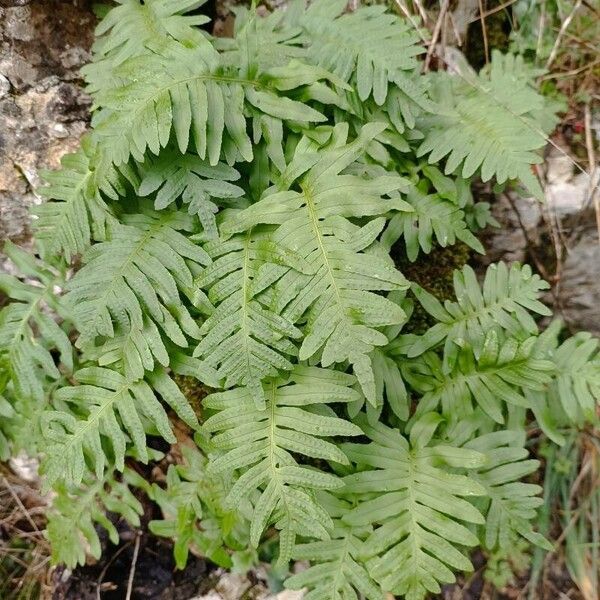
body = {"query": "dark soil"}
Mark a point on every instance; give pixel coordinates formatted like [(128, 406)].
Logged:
[(154, 578)]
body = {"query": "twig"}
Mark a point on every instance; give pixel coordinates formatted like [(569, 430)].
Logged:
[(136, 549), (436, 33), (106, 567), (404, 10), (571, 73), (484, 32), (19, 503), (541, 28), (593, 181), (492, 11), (421, 10), (563, 28)]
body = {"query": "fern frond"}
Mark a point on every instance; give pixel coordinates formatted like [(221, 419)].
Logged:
[(77, 212), (512, 504), (341, 308), (117, 409), (28, 331), (370, 47), (336, 571), (416, 504), (503, 303), (432, 217), (173, 175), (194, 514), (138, 274), (577, 385), (244, 339), (190, 92), (135, 28), (7, 412), (260, 443), (487, 124), (77, 512), (504, 372)]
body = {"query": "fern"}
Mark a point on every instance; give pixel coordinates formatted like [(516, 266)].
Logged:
[(243, 338), (140, 271), (372, 48), (261, 442), (112, 404), (76, 513), (488, 125), (338, 572), (577, 386), (196, 182), (417, 506), (231, 222), (28, 333), (512, 504), (343, 311), (502, 304), (79, 213), (503, 373), (433, 219), (194, 513)]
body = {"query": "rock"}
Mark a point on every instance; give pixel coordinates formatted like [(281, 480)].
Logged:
[(25, 467), (4, 86), (43, 110), (579, 286), (519, 220)]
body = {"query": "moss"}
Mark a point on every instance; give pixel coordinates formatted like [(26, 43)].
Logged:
[(497, 28), (433, 272), (194, 391)]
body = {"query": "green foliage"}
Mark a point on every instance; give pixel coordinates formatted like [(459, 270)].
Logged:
[(77, 511), (232, 218), (492, 125), (417, 507), (262, 440), (193, 505)]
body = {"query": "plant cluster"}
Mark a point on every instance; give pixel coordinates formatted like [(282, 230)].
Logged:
[(231, 218)]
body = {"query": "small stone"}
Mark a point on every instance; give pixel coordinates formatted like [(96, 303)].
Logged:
[(4, 86), (18, 24), (25, 467), (59, 130)]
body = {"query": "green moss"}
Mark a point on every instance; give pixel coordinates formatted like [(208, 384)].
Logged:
[(433, 272), (194, 391), (497, 29)]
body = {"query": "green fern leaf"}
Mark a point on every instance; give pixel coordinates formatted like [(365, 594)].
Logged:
[(194, 513), (343, 312), (370, 47), (243, 339), (502, 304), (77, 211), (487, 124), (432, 217), (76, 512), (512, 504), (173, 176), (504, 372), (417, 504), (261, 442), (133, 29), (336, 572), (577, 385), (187, 91), (140, 271), (28, 333), (113, 404)]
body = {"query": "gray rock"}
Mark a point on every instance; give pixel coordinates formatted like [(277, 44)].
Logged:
[(579, 286), (43, 110)]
